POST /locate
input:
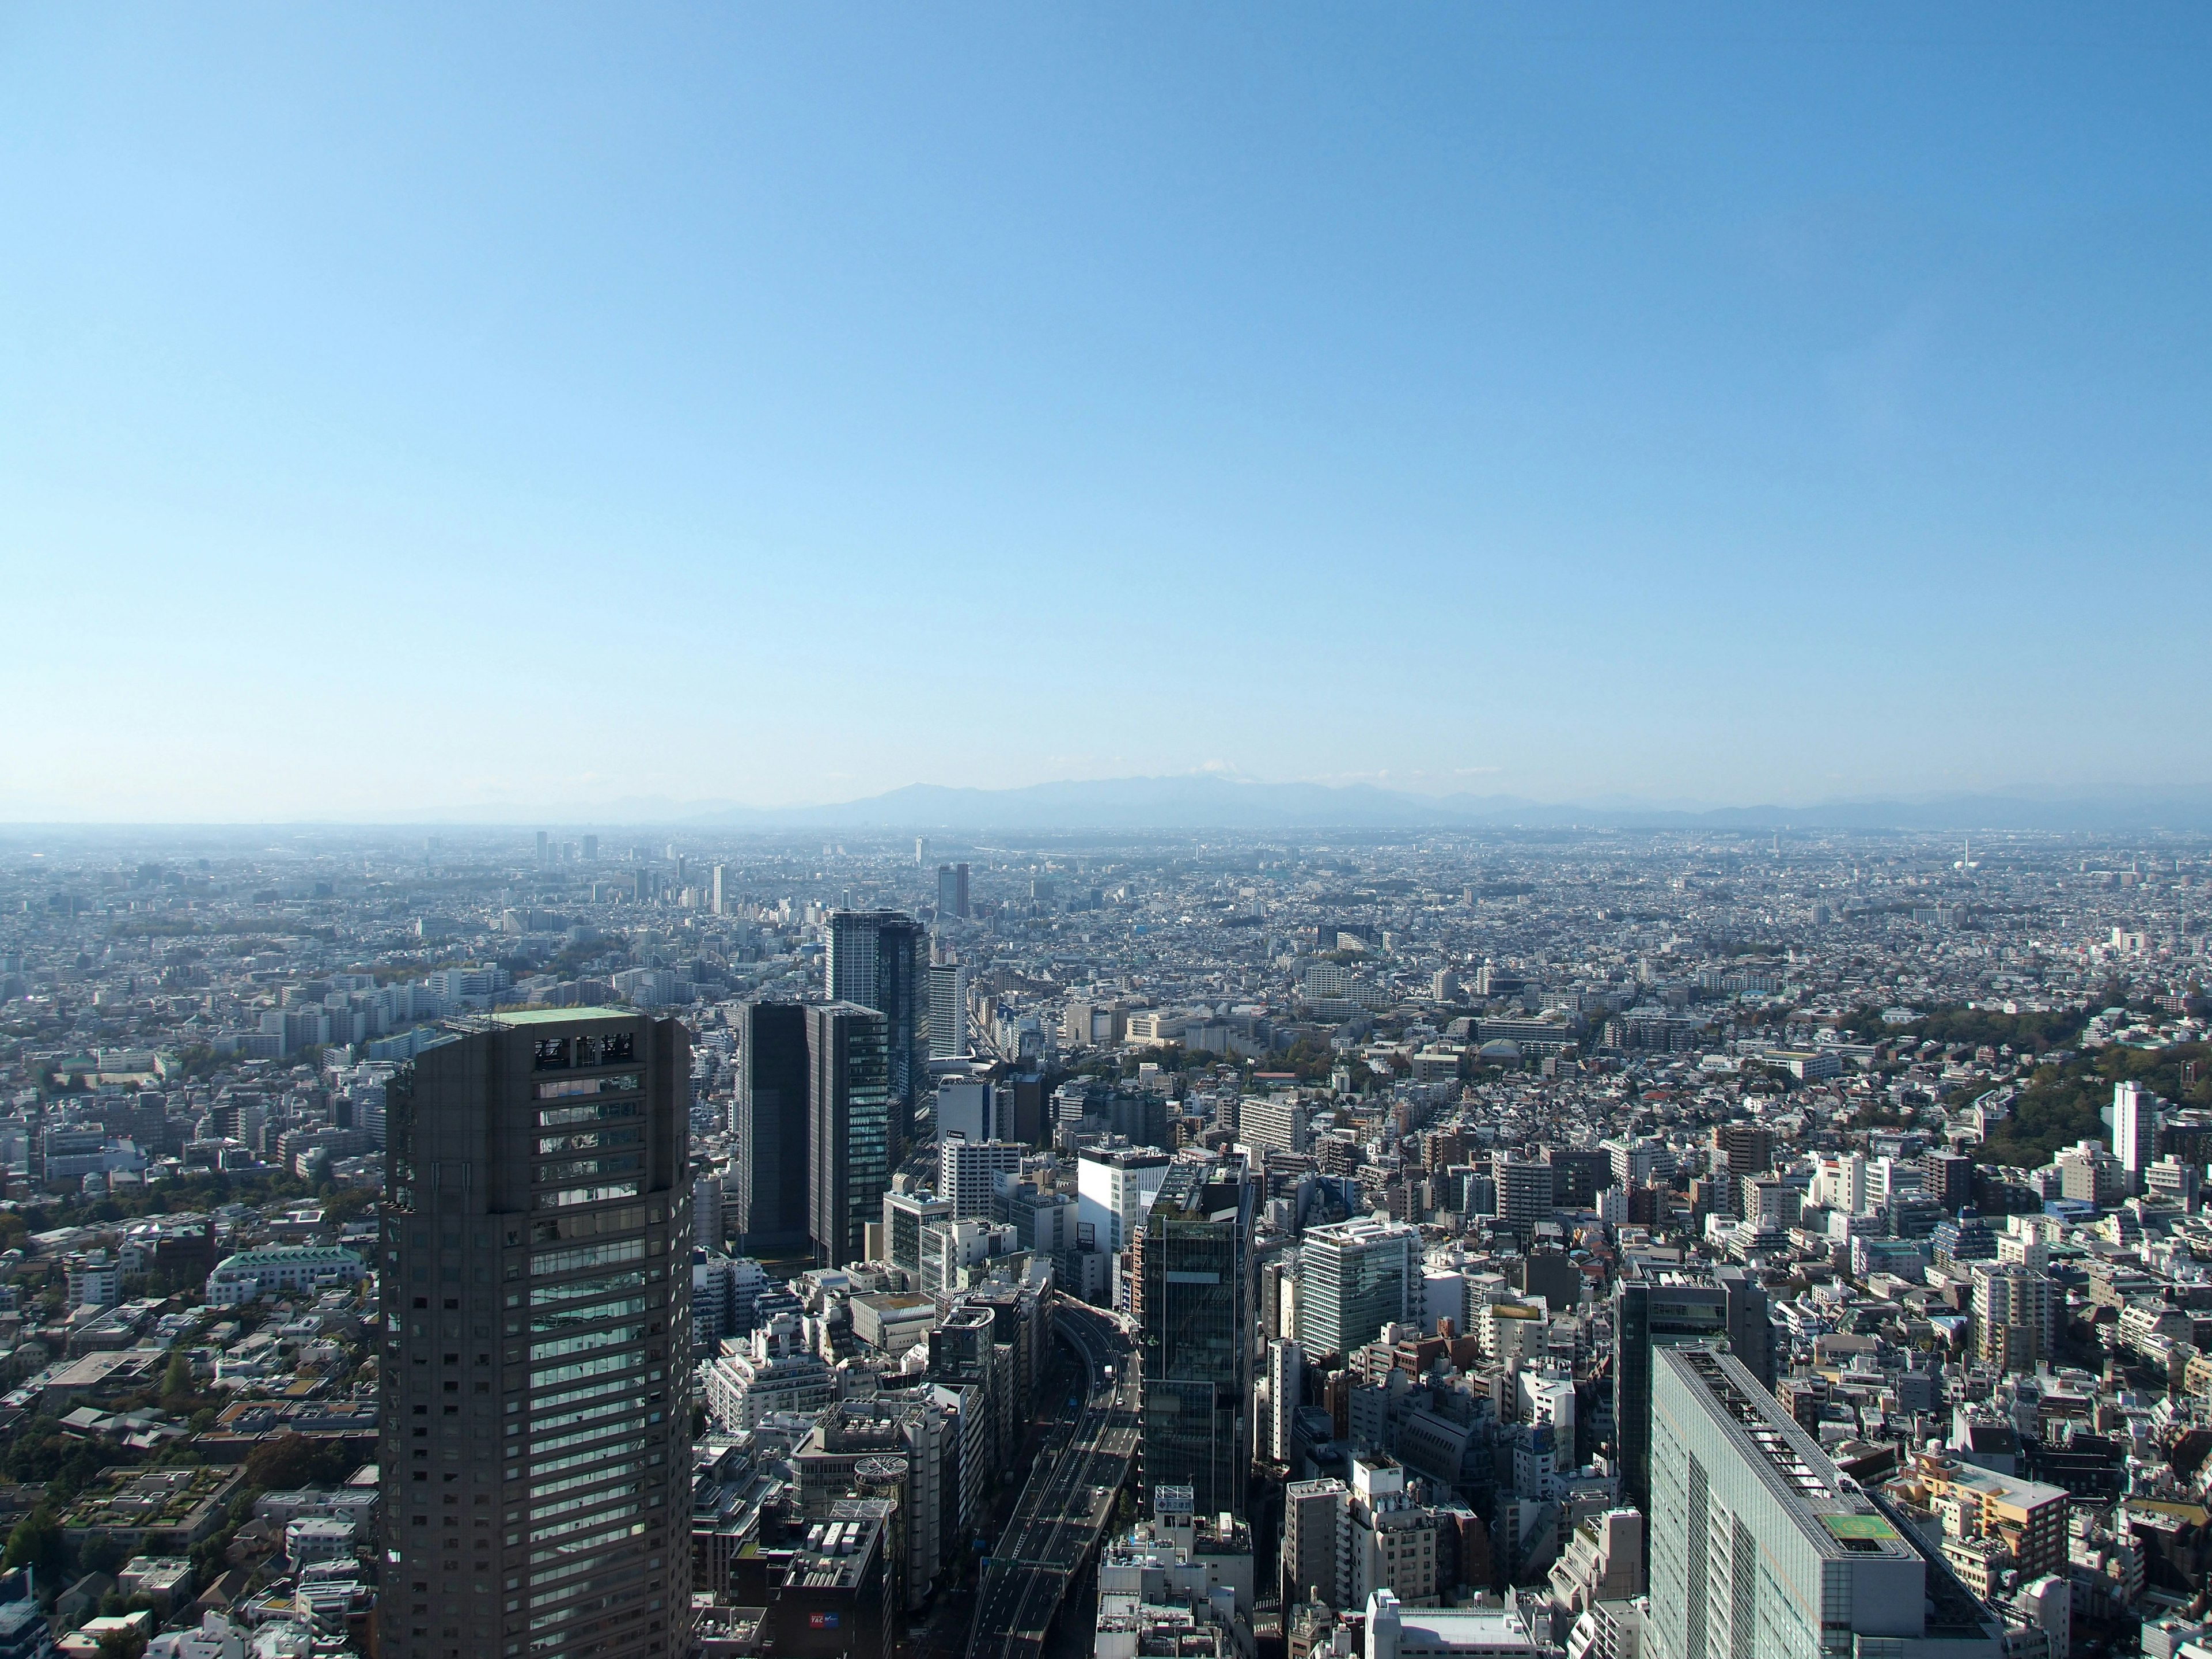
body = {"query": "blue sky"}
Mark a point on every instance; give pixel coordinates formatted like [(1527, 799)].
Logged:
[(448, 407)]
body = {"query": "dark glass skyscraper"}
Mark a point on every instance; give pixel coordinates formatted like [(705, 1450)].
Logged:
[(1674, 1308), (535, 1408), (880, 960), (1192, 1303), (849, 1128), (769, 1119)]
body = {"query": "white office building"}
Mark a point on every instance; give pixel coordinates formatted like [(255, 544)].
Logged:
[(1760, 1545), (1354, 1278), (968, 1172), (1114, 1190)]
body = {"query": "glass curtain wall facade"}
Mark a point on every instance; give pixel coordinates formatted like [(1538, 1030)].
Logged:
[(1762, 1549), (849, 1127), (879, 959), (1192, 1303)]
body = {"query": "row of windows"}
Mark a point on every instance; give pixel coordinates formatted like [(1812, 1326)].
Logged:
[(554, 1465), (584, 1368), (576, 1168), (588, 1545), (561, 1528), (560, 1319), (620, 1336), (606, 1420), (586, 1140), (611, 1600), (598, 1194), (579, 1289), (539, 1489), (568, 1087), (558, 1053), (544, 1584), (586, 1255), (553, 1228), (590, 1394)]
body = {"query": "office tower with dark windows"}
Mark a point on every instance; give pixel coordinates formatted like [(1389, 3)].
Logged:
[(960, 891), (948, 894), (848, 1105), (1189, 1273), (768, 1116), (948, 1010), (535, 1406), (1666, 1310), (880, 960)]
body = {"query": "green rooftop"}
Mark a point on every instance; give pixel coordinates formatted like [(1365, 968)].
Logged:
[(1859, 1526)]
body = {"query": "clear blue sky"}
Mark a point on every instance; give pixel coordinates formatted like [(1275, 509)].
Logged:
[(463, 405)]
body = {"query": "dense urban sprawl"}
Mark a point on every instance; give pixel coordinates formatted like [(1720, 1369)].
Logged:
[(1530, 1244)]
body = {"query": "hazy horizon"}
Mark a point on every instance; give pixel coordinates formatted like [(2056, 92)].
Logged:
[(423, 411)]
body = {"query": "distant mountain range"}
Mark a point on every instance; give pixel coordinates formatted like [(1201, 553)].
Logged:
[(1208, 802), (1203, 801)]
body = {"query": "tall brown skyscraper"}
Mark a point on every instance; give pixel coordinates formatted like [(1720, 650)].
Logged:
[(537, 1290)]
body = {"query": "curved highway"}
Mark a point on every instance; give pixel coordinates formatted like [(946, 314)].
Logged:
[(1069, 1500)]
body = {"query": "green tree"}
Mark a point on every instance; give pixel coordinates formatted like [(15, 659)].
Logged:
[(292, 1460), (121, 1645), (177, 1390), (35, 1542)]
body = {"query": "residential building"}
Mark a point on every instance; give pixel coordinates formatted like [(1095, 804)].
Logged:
[(1273, 1123), (2016, 1312), (1317, 1557), (948, 1010), (2136, 1118), (252, 1274)]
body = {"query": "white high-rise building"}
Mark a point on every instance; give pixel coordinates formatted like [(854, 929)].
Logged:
[(1273, 1123), (1760, 1545), (2134, 1130), (968, 1170), (948, 1010), (1113, 1191), (1354, 1278), (1285, 1388), (967, 1107)]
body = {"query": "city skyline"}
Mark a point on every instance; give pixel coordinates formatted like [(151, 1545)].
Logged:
[(1679, 407)]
